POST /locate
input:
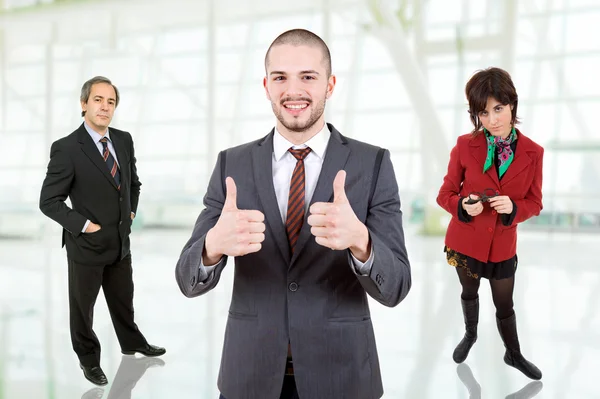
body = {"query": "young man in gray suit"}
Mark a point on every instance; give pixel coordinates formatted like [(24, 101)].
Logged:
[(313, 220)]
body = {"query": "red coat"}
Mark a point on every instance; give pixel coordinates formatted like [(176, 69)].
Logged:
[(485, 237)]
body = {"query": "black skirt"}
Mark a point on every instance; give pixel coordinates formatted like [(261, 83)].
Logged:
[(478, 269)]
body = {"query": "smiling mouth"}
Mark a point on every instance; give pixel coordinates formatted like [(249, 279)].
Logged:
[(295, 106)]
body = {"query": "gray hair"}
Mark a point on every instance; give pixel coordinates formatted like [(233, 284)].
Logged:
[(86, 89)]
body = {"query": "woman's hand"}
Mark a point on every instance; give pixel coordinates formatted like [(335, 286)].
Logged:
[(502, 204), (472, 209)]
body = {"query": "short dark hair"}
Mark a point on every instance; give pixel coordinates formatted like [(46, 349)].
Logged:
[(86, 89), (299, 37), (491, 82)]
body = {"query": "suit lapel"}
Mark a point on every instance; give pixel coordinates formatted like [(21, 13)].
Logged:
[(89, 148), (335, 159), (122, 158), (521, 160), (478, 148), (262, 164)]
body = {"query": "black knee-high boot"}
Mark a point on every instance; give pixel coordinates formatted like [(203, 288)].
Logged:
[(470, 309), (513, 357)]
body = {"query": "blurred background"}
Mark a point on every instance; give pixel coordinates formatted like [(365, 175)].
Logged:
[(190, 76)]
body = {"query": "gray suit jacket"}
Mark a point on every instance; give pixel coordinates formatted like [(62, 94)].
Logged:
[(313, 299)]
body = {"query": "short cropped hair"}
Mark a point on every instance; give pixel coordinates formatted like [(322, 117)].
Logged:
[(302, 37)]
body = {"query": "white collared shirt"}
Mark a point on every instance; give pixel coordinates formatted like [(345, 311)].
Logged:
[(284, 164)]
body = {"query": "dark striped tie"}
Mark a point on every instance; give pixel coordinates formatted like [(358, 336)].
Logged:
[(295, 209), (113, 168)]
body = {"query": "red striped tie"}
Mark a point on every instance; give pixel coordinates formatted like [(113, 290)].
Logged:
[(295, 208), (111, 163)]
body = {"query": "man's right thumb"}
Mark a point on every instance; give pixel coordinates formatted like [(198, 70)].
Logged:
[(231, 195)]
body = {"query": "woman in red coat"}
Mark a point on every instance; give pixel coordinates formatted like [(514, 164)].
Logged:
[(494, 182)]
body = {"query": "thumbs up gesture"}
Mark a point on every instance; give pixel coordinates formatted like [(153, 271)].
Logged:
[(237, 232), (335, 225)]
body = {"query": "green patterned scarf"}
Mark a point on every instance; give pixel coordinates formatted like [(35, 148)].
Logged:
[(497, 145)]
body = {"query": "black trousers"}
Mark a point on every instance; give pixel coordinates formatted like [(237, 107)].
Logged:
[(116, 281), (288, 391)]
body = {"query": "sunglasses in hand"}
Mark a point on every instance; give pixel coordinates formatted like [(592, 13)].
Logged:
[(484, 196)]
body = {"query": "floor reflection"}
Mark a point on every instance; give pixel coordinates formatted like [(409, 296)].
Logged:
[(130, 371), (556, 297), (466, 376)]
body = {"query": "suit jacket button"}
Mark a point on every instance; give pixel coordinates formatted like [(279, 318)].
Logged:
[(121, 199), (490, 229), (293, 287), (121, 222), (493, 212)]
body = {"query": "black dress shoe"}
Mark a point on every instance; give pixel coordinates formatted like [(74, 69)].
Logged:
[(95, 375), (148, 350)]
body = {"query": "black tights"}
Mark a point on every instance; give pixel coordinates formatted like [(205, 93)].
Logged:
[(502, 291)]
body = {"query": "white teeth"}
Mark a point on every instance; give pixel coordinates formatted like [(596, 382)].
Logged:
[(297, 106)]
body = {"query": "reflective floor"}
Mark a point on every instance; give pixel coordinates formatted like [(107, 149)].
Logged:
[(557, 301)]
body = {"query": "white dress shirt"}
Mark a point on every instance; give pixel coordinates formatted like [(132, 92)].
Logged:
[(283, 168)]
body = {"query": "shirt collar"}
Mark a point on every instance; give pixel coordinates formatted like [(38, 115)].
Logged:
[(317, 144), (95, 135)]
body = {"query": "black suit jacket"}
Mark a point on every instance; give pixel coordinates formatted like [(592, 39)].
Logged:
[(77, 170)]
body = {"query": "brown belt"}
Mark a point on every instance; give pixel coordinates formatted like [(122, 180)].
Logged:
[(289, 367), (289, 364)]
